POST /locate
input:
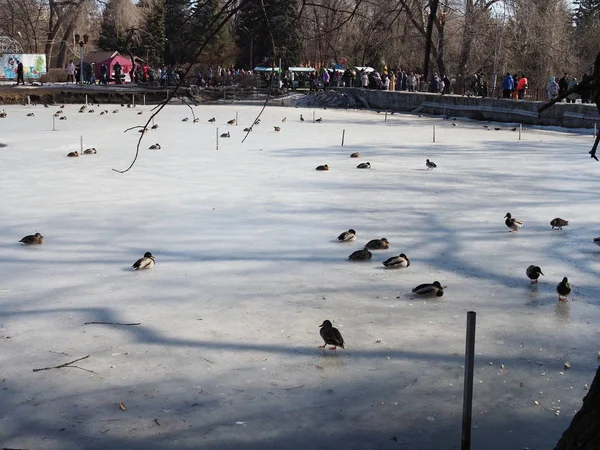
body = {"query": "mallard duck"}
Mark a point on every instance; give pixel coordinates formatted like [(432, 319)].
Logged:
[(231, 122), (63, 118), (533, 273), (82, 109), (330, 335), (140, 113), (320, 119), (559, 223), (301, 118), (365, 165), (196, 120), (30, 115), (284, 119), (226, 135), (247, 129), (355, 155), (46, 105), (33, 239), (597, 241), (512, 223), (434, 289), (58, 112), (147, 262), (397, 262), (115, 111), (346, 236), (185, 119), (91, 111), (563, 289), (90, 151), (212, 120), (257, 122), (323, 167), (143, 130), (277, 128), (361, 255), (430, 165), (378, 244), (102, 113), (155, 146), (73, 154), (3, 114), (62, 106)]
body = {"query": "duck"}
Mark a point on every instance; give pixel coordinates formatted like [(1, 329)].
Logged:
[(533, 273), (365, 165), (212, 120), (33, 239), (155, 146), (143, 130), (320, 119), (58, 112), (56, 115), (559, 223), (361, 255), (257, 122), (90, 151), (155, 126), (512, 223), (146, 262), (46, 105), (434, 289), (597, 241), (62, 106), (63, 118), (82, 109), (301, 118), (564, 289), (397, 262), (30, 115), (3, 114), (140, 113), (115, 111), (73, 154), (226, 135), (355, 155), (248, 129), (102, 113), (196, 120), (346, 236), (283, 120), (277, 128), (330, 335), (378, 244), (91, 111), (322, 167), (430, 165), (185, 119), (231, 122)]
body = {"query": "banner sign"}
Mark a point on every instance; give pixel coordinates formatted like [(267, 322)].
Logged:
[(33, 65)]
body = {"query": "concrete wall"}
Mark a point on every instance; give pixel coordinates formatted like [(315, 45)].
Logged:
[(570, 115)]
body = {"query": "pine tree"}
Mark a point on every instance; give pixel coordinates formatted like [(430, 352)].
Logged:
[(586, 11), (153, 36), (176, 30), (280, 21)]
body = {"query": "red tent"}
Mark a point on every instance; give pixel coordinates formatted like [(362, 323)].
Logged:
[(110, 59)]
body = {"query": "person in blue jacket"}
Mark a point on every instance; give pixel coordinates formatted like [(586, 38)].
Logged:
[(508, 86)]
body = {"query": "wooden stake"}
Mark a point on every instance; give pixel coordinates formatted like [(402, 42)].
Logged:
[(81, 144), (217, 138), (520, 130), (53, 123), (434, 134), (468, 389), (343, 135), (385, 120)]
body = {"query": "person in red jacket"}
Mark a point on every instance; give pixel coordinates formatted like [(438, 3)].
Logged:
[(522, 87)]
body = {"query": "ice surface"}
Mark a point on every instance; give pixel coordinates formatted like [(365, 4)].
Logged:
[(247, 268)]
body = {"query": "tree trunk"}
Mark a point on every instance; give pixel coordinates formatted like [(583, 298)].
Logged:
[(467, 39), (433, 6), (584, 431)]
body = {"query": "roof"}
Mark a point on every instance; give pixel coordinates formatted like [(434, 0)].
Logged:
[(301, 69), (99, 56)]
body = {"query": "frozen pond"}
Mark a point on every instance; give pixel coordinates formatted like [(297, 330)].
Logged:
[(247, 268)]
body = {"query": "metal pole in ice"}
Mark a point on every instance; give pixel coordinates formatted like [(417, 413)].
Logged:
[(86, 102), (313, 117), (385, 120), (595, 129), (81, 143), (53, 122), (145, 101), (520, 129), (28, 100), (343, 135), (236, 118), (133, 100), (217, 138), (468, 389), (434, 134)]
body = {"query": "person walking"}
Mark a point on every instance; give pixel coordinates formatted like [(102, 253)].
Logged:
[(117, 68), (103, 74), (552, 88), (563, 84), (508, 85), (71, 72), (20, 73)]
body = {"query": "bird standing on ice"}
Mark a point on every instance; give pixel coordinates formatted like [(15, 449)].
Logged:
[(430, 165), (330, 335), (146, 262), (512, 223), (563, 289), (533, 273), (559, 223)]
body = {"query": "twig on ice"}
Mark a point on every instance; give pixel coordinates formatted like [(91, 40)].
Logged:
[(64, 365), (112, 323)]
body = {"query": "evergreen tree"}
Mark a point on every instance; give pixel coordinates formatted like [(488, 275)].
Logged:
[(587, 11), (280, 21), (152, 41), (176, 30), (118, 19)]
